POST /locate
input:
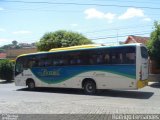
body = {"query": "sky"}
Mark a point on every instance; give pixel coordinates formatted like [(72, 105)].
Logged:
[(102, 21)]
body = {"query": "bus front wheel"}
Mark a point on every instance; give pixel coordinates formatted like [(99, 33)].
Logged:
[(31, 84), (89, 87)]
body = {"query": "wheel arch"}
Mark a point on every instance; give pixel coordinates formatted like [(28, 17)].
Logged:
[(28, 80)]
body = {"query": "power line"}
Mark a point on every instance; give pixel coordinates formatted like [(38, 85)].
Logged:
[(50, 10), (118, 36), (131, 1), (131, 32), (82, 4), (40, 10), (116, 29)]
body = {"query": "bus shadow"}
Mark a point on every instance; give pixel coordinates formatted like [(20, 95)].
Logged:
[(155, 85), (6, 82), (107, 93), (126, 94)]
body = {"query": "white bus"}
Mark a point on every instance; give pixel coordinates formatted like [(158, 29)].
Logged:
[(90, 67)]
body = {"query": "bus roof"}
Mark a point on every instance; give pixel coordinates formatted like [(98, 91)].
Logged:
[(88, 46), (75, 47), (80, 47)]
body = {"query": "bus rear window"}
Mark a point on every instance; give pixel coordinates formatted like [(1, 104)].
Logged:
[(144, 52)]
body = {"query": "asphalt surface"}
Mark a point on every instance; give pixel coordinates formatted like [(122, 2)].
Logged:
[(18, 100)]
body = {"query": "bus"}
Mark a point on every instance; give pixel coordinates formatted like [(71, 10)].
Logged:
[(87, 67)]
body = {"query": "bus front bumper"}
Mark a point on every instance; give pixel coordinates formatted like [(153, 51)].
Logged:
[(142, 83)]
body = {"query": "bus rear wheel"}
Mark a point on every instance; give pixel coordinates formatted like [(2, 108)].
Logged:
[(89, 87), (31, 84)]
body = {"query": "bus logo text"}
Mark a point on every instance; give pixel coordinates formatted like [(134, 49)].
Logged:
[(45, 72)]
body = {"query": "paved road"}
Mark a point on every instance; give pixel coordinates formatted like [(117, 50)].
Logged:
[(18, 100)]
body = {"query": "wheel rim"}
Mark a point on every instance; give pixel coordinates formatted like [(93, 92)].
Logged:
[(89, 87), (31, 85)]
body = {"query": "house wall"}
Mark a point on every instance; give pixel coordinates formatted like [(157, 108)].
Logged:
[(3, 55), (13, 53), (130, 42)]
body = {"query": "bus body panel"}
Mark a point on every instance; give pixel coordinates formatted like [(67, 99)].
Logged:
[(141, 67), (106, 76)]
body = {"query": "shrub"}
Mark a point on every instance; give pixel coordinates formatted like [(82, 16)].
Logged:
[(6, 70)]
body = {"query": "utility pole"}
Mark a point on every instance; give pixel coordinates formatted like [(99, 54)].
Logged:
[(117, 37)]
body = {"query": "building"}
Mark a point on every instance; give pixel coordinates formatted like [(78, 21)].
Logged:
[(3, 55), (13, 53), (27, 45), (136, 39)]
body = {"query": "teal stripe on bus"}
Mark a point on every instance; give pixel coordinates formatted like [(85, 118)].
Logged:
[(57, 74)]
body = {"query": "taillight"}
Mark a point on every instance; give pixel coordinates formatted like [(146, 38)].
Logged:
[(140, 73)]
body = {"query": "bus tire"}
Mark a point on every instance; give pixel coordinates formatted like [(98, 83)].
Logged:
[(31, 84), (89, 87)]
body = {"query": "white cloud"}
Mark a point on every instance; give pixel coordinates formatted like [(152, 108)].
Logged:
[(92, 13), (22, 32), (109, 16), (131, 13)]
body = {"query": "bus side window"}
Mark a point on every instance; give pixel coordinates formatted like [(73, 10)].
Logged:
[(36, 63), (55, 62), (93, 59), (107, 58), (113, 59), (30, 62), (73, 61), (100, 59), (118, 58), (130, 58), (121, 58), (25, 63)]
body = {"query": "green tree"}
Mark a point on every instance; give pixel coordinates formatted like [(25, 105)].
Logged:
[(61, 38), (6, 46), (2, 50), (6, 70), (153, 44), (14, 42)]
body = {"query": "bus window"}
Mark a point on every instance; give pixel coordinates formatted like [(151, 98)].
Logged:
[(106, 58), (144, 52), (100, 59), (75, 60), (58, 60), (92, 59), (130, 56), (42, 61), (32, 62), (19, 66), (116, 56), (121, 55)]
